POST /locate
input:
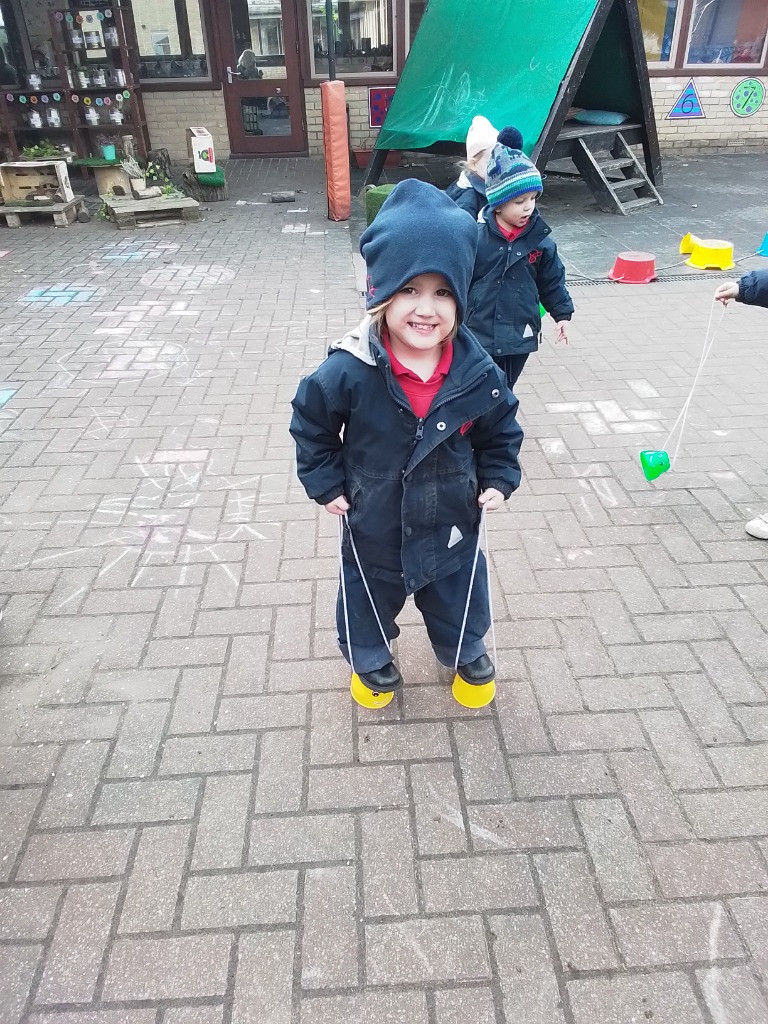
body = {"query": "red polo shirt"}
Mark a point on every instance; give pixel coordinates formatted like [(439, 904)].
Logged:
[(420, 393)]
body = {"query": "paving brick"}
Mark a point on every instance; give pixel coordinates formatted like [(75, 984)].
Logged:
[(553, 681), (233, 900), (529, 986), (329, 950), (439, 823), (208, 650), (742, 766), (747, 636), (752, 921), (193, 1015), (139, 740), (184, 967), (731, 993), (17, 970), (25, 766), (389, 881), (59, 725), (458, 1005), (27, 914), (16, 810), (754, 722), (331, 739), (625, 694), (675, 934), (415, 741), (596, 732), (134, 684), (267, 711), (685, 764), (77, 855), (708, 869), (520, 720), (133, 1016), (147, 801), (221, 829), (483, 769), (74, 959), (71, 793), (584, 648), (621, 870), (652, 804), (156, 878), (581, 933), (306, 838), (637, 593), (522, 826), (666, 998), (203, 755), (652, 657), (450, 949), (263, 981), (195, 704), (728, 672), (280, 778), (728, 815), (706, 711), (470, 884), (368, 1007), (562, 775), (246, 667), (362, 786)]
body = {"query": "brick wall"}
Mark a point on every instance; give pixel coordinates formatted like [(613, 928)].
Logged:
[(169, 114), (721, 128), (362, 136)]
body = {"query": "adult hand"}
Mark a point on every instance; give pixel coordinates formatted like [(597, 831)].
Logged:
[(491, 499), (727, 291), (338, 506)]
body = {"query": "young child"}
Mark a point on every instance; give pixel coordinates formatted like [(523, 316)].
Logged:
[(407, 430), (517, 264), (751, 289), (468, 191)]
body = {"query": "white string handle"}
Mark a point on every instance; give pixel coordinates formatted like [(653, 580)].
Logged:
[(709, 340), (482, 533), (343, 519)]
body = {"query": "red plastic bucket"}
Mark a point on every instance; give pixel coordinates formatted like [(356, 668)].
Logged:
[(634, 268)]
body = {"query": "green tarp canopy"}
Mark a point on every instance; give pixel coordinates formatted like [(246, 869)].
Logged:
[(505, 59)]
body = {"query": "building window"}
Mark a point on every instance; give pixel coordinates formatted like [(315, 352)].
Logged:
[(415, 12), (658, 19), (728, 32), (171, 40), (363, 37)]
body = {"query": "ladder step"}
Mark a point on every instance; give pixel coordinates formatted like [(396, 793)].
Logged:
[(627, 183), (638, 204), (615, 165)]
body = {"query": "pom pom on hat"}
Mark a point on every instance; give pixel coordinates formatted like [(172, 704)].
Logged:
[(510, 173), (510, 137)]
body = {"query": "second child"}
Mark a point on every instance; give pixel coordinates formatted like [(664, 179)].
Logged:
[(517, 265)]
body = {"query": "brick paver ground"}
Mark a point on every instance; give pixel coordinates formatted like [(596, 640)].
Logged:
[(197, 826)]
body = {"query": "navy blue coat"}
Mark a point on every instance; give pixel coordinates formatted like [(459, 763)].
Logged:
[(753, 288), (412, 483), (509, 281), (469, 199)]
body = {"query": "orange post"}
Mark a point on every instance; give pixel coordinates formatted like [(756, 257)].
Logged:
[(336, 150)]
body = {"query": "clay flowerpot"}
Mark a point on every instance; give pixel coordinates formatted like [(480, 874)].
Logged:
[(362, 156)]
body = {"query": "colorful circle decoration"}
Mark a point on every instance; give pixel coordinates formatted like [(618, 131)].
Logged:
[(79, 19), (59, 16), (99, 101), (75, 98), (747, 97), (87, 100), (89, 18), (44, 99), (56, 97), (107, 101), (22, 99), (107, 14), (126, 94), (100, 15), (33, 99), (10, 97), (69, 18)]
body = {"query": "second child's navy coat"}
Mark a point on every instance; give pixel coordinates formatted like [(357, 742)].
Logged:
[(509, 281), (412, 483), (753, 288)]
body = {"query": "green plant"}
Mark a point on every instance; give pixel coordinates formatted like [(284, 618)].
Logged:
[(155, 173), (40, 150)]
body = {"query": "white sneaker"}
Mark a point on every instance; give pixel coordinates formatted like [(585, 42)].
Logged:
[(758, 527)]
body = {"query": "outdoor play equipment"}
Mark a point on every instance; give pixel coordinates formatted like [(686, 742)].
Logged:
[(634, 268), (529, 64), (707, 253), (469, 695), (654, 462)]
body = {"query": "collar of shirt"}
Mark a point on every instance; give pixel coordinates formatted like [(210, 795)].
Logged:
[(441, 370), (510, 233)]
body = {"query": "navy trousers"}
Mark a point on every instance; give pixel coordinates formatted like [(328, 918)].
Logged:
[(441, 604), (512, 367)]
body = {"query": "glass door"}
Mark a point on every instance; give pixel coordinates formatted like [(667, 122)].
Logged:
[(262, 84)]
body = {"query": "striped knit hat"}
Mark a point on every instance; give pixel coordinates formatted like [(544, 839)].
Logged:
[(510, 173)]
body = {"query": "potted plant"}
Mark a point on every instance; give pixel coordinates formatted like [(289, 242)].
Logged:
[(136, 173)]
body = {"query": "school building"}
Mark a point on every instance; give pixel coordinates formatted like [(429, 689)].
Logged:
[(250, 70)]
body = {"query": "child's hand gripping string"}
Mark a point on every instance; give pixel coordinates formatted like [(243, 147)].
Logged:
[(338, 506), (727, 291), (491, 499)]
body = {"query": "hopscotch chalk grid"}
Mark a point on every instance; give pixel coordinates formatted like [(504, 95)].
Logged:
[(59, 295)]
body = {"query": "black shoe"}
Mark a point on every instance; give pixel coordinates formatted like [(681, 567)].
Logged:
[(478, 672), (383, 680)]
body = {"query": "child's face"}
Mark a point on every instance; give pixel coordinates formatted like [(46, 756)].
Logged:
[(517, 212), (422, 314)]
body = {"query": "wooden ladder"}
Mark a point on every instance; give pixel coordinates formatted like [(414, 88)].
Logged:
[(617, 180)]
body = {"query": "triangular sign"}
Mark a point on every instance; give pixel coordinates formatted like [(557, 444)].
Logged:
[(687, 104)]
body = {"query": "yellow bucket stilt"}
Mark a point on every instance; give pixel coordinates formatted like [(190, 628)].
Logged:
[(470, 696), (707, 253), (366, 697)]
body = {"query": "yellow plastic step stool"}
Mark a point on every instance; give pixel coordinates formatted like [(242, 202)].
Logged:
[(707, 253)]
